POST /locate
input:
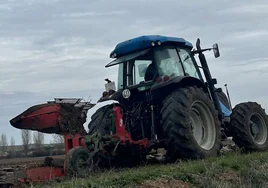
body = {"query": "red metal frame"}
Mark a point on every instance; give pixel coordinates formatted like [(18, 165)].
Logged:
[(121, 132), (70, 141), (39, 117), (41, 174)]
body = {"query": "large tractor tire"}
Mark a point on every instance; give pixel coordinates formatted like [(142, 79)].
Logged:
[(101, 121), (223, 98), (249, 127), (190, 124)]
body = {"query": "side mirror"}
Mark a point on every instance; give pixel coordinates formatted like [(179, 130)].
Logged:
[(216, 51)]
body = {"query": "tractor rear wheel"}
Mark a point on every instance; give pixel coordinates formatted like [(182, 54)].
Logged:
[(190, 124), (101, 121), (249, 126)]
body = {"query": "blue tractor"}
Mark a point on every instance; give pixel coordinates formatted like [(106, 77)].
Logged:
[(171, 100)]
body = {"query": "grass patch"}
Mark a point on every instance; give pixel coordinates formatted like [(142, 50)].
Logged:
[(232, 170)]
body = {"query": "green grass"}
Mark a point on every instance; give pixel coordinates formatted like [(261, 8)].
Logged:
[(232, 170)]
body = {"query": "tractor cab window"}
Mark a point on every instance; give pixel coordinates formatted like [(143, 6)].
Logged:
[(135, 68), (188, 63), (136, 71), (120, 76), (168, 62), (139, 70)]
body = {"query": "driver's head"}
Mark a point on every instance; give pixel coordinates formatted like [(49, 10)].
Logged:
[(150, 73)]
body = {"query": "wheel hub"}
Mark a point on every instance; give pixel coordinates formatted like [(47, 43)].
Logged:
[(254, 128), (258, 129), (197, 127), (203, 126), (82, 163)]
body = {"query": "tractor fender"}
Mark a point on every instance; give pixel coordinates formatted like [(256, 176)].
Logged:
[(115, 96), (165, 87)]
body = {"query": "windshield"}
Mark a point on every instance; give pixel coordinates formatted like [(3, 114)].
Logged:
[(168, 62), (147, 65), (189, 64)]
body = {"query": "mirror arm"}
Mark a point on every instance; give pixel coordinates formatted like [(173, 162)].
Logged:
[(202, 50)]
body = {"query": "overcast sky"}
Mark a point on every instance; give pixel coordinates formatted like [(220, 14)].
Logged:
[(58, 48)]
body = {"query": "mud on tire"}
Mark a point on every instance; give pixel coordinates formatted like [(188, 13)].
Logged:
[(249, 127), (177, 121)]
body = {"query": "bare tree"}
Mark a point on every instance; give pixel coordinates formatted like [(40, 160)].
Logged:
[(58, 143), (12, 141), (58, 139), (13, 147), (26, 140), (3, 143), (38, 139)]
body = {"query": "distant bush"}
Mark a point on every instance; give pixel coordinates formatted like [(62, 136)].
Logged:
[(44, 152), (15, 154), (34, 153)]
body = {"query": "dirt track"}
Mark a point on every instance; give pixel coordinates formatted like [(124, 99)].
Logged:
[(12, 169)]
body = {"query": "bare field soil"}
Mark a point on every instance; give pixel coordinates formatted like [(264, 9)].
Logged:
[(25, 160), (12, 169)]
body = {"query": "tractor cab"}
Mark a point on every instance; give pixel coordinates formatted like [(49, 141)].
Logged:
[(152, 66), (146, 60)]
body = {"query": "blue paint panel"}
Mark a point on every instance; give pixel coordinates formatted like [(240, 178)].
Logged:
[(226, 112), (143, 42)]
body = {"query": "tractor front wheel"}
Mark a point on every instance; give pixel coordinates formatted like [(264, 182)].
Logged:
[(249, 127), (190, 124)]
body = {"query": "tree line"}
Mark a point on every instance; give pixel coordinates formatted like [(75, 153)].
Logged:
[(32, 143)]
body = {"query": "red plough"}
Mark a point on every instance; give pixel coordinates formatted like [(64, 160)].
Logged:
[(47, 118)]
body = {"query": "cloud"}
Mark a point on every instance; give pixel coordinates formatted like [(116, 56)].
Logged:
[(95, 14), (249, 8), (59, 48), (249, 35)]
